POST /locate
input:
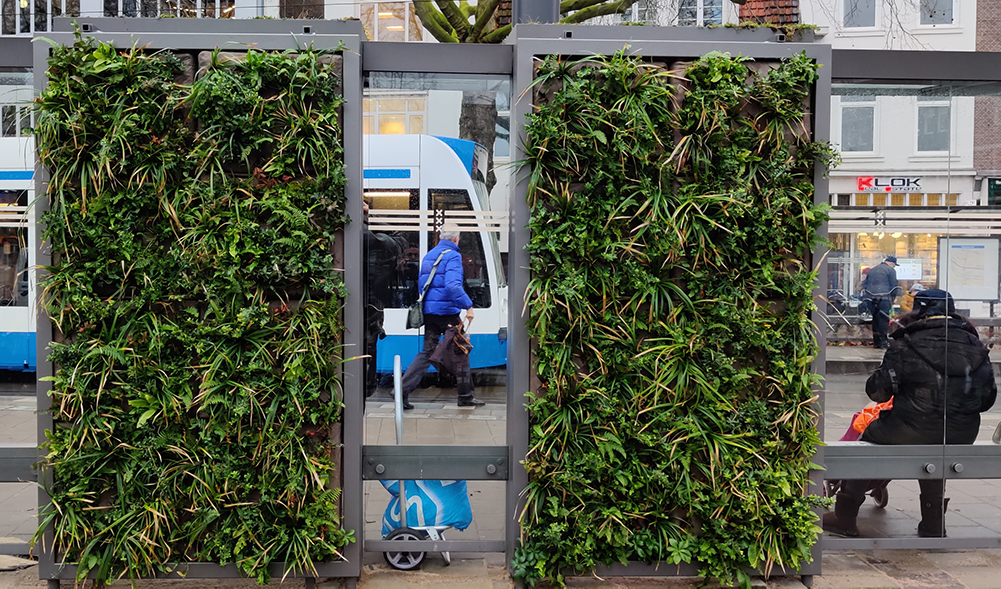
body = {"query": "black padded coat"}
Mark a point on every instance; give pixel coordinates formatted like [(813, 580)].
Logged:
[(939, 376)]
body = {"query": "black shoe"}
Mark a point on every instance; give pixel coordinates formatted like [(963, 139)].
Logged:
[(471, 402), (407, 406)]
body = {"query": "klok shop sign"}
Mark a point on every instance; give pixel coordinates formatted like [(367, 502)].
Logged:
[(889, 184)]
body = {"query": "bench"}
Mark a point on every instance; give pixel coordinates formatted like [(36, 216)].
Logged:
[(862, 460)]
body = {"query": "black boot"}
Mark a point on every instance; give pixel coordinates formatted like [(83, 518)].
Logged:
[(932, 523), (842, 521)]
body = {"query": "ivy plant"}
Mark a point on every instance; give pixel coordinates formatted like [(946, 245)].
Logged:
[(197, 309), (672, 225)]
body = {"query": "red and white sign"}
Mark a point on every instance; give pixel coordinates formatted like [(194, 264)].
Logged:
[(889, 184)]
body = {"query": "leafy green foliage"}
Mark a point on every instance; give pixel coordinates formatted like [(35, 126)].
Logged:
[(199, 310), (672, 227)]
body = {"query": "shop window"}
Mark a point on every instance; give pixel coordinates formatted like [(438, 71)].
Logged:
[(915, 200), (933, 123), (879, 199), (391, 21), (700, 13), (636, 13), (936, 12), (394, 115), (862, 199), (860, 13), (301, 8), (858, 123), (897, 199), (844, 200), (994, 191)]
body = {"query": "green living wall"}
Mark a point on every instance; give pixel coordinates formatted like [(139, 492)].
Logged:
[(196, 308), (672, 222)]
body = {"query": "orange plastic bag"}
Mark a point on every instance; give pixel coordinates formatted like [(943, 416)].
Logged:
[(867, 415)]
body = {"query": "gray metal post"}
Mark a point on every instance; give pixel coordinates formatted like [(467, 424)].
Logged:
[(535, 11)]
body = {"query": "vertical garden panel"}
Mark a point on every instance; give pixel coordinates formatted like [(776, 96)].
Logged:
[(670, 193), (196, 209)]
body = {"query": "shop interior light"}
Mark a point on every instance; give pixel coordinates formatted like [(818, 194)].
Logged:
[(387, 193), (881, 234), (394, 28), (863, 234), (896, 234), (385, 15)]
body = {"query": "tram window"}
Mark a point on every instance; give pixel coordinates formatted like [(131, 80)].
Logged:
[(8, 121), (13, 250), (392, 252), (474, 260), (24, 115)]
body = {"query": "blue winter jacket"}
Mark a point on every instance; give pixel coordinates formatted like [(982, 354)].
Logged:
[(446, 295)]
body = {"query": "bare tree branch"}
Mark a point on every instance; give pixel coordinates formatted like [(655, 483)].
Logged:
[(567, 6), (597, 10), (482, 18), (497, 35), (465, 9), (435, 22), (458, 22)]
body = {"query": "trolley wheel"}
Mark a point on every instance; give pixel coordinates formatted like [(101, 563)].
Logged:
[(404, 561), (881, 496)]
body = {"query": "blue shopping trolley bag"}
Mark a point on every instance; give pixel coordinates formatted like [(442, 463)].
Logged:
[(429, 503)]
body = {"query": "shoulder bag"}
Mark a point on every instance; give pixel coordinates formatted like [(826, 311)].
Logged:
[(415, 315)]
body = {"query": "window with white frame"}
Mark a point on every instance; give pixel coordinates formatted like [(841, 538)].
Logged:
[(636, 13), (934, 123), (936, 12), (860, 13), (858, 123), (700, 13), (394, 114), (391, 21)]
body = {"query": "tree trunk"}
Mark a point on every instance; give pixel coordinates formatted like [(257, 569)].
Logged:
[(478, 122)]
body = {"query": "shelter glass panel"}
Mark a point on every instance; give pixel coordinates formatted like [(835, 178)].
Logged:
[(911, 307), (431, 173)]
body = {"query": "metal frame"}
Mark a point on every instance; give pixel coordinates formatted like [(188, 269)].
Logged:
[(860, 460), (196, 34), (413, 462), (515, 58), (17, 459), (669, 42)]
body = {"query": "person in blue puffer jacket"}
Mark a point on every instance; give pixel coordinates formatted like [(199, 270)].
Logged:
[(445, 299)]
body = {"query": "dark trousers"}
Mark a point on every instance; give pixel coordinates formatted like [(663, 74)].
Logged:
[(434, 328), (881, 322)]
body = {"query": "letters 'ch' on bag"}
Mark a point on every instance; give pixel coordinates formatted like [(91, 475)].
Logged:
[(415, 314)]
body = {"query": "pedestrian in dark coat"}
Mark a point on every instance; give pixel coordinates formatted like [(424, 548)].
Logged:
[(881, 288), (940, 378)]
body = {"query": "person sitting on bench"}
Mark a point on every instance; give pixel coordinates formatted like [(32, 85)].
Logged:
[(940, 377)]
